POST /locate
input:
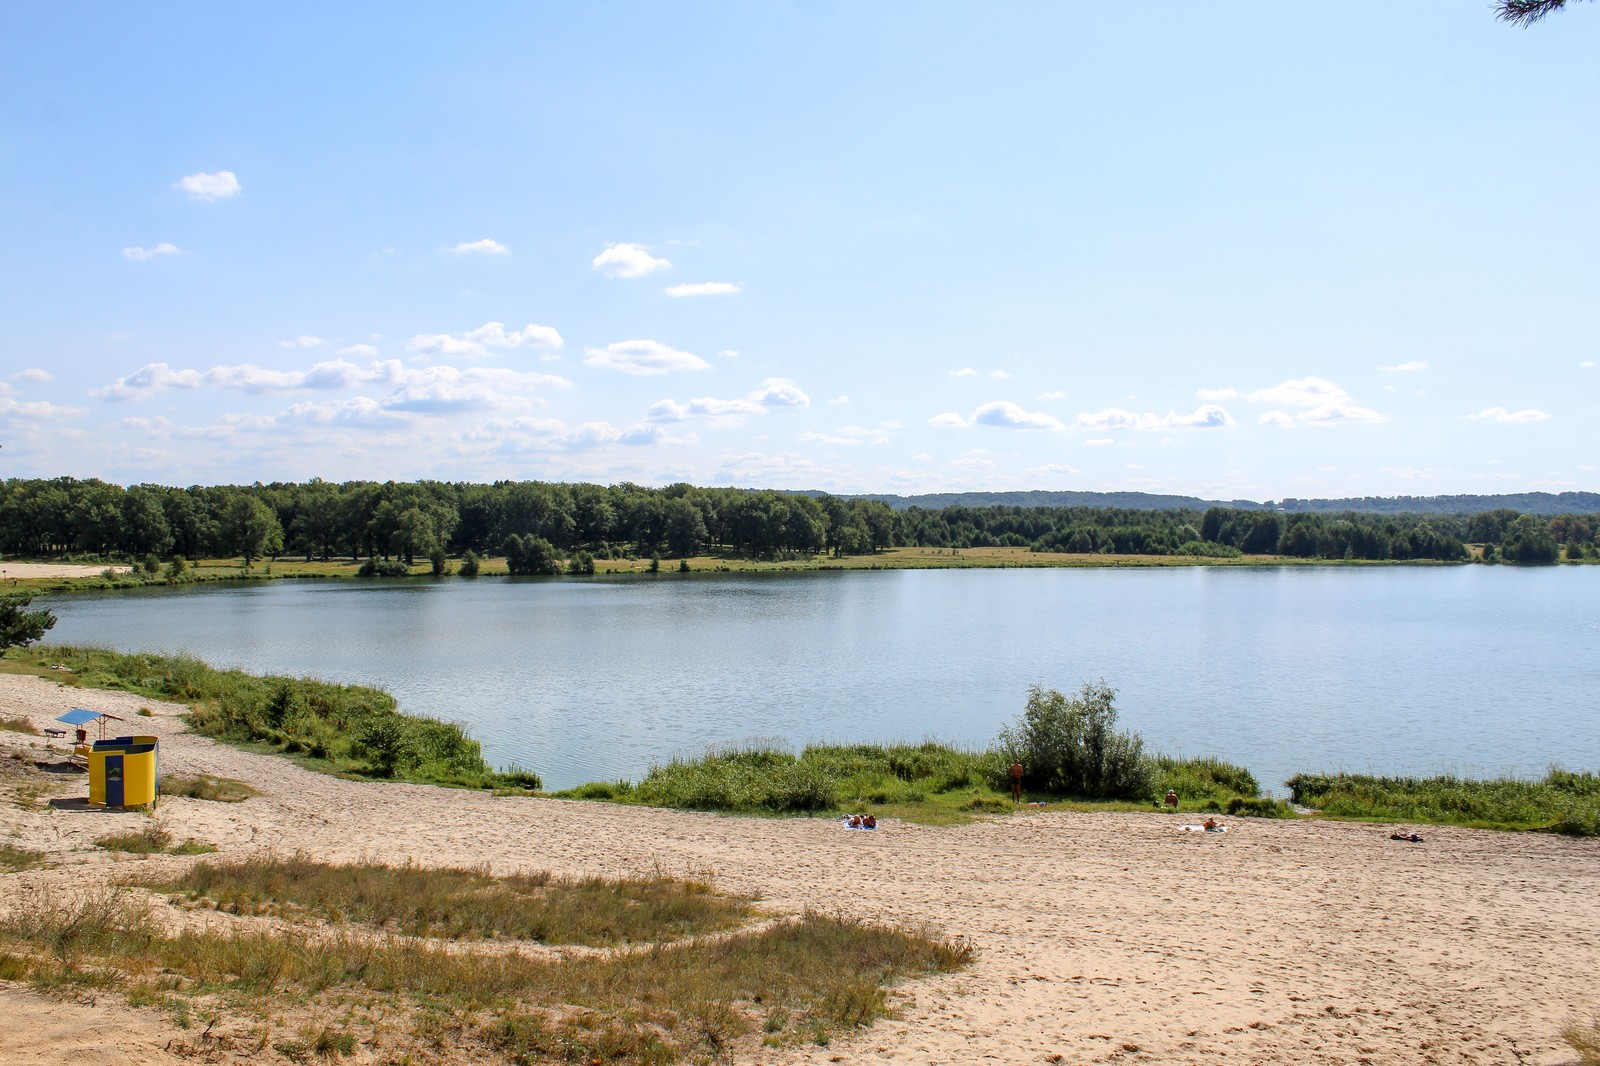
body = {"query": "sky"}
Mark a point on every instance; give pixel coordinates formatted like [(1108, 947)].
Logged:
[(1237, 252)]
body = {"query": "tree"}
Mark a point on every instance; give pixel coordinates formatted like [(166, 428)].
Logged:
[(1526, 12), (250, 529), (19, 627), (1069, 746)]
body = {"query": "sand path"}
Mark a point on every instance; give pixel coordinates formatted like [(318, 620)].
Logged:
[(1101, 937)]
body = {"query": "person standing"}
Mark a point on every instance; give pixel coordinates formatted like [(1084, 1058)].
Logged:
[(1016, 782)]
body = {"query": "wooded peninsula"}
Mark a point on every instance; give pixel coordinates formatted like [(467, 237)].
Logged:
[(547, 527)]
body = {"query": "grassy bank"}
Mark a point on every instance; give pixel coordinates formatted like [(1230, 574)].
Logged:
[(929, 783), (1563, 802), (303, 990), (349, 729)]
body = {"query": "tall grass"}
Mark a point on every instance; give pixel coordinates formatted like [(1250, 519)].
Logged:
[(206, 787), (465, 904), (1564, 802), (18, 724), (924, 782), (350, 728), (794, 980)]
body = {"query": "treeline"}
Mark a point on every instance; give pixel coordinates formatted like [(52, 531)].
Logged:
[(537, 524), (427, 519)]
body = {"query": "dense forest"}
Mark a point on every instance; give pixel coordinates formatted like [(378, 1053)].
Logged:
[(534, 523)]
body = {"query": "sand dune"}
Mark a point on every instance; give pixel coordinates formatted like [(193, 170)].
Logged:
[(1102, 937)]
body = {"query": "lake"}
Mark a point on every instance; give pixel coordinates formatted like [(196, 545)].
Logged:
[(1475, 670)]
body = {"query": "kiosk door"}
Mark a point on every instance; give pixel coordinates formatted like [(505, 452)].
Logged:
[(114, 781)]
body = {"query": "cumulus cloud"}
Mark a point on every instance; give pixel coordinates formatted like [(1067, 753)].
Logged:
[(1007, 415), (964, 372), (1405, 368), (1501, 416), (1215, 395), (1280, 419), (141, 254), (774, 392), (36, 411), (627, 261), (33, 376), (1326, 403), (152, 377), (948, 420), (1052, 469), (483, 247), (209, 187), (301, 342), (702, 288), (1056, 394), (1587, 364), (475, 343), (642, 357), (1209, 416), (780, 392)]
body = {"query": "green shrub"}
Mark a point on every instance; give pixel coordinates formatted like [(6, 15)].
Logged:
[(1069, 746), (470, 564)]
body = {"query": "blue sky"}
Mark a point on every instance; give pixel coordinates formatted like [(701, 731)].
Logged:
[(1309, 249)]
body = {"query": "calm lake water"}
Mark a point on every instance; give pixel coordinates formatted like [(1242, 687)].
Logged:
[(1472, 670)]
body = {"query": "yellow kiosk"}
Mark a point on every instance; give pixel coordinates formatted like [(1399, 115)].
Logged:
[(123, 771)]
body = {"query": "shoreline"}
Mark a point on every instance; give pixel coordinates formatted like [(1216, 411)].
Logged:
[(1279, 942)]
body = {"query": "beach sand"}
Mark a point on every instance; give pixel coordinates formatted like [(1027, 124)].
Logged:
[(1101, 937), (21, 570)]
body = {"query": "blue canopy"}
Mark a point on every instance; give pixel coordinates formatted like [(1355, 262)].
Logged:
[(79, 716)]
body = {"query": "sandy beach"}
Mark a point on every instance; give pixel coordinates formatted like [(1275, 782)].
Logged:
[(1101, 938)]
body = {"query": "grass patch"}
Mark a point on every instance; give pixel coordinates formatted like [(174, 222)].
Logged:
[(14, 859), (800, 980), (1563, 802), (19, 724), (351, 729), (1584, 1038), (465, 904), (206, 787), (928, 783), (150, 840)]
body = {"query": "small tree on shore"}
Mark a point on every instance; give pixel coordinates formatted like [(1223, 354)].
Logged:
[(1069, 745), (20, 627)]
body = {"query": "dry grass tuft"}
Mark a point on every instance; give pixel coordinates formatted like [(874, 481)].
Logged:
[(19, 724), (1585, 1040), (206, 787)]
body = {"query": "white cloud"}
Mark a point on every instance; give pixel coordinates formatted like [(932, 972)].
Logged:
[(1056, 395), (839, 400), (999, 374), (1050, 469), (483, 247), (1405, 368), (1276, 418), (1410, 473), (1331, 414), (149, 378), (209, 187), (301, 342), (36, 411), (825, 438), (1503, 417), (1099, 442), (1587, 364), (774, 392), (642, 357), (1305, 392), (358, 349), (1327, 404), (475, 343), (702, 288), (728, 353), (1209, 416), (33, 376), (964, 372), (780, 392), (627, 261), (141, 254), (1215, 395), (1007, 415), (948, 420)]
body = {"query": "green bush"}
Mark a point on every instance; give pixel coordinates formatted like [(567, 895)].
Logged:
[(1069, 746), (470, 564)]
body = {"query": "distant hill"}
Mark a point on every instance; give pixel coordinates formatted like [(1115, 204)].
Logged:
[(1539, 503)]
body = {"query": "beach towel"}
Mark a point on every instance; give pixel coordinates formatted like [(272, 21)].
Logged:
[(1203, 829)]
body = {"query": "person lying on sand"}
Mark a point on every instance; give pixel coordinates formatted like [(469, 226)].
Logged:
[(1412, 837), (860, 821)]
